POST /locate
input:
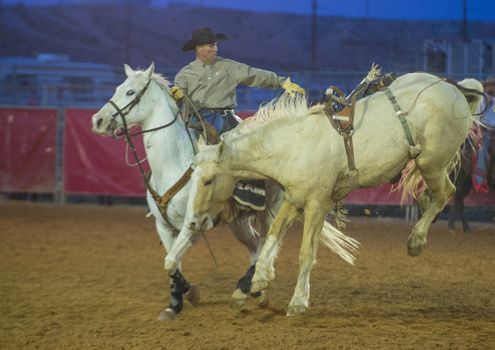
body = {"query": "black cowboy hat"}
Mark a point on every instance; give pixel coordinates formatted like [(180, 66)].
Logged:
[(489, 80), (202, 36)]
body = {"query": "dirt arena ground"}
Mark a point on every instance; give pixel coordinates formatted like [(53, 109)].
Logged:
[(91, 277)]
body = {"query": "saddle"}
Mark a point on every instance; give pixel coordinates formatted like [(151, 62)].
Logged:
[(340, 109), (212, 137)]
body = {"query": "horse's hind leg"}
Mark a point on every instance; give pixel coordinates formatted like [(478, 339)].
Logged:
[(452, 215), (264, 266), (465, 225), (247, 235), (313, 223), (433, 201)]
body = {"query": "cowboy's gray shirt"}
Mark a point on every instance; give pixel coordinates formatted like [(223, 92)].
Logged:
[(214, 85)]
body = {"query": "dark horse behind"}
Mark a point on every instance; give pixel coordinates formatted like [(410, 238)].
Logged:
[(464, 180), (463, 183)]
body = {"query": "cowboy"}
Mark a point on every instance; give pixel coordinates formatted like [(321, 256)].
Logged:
[(482, 175), (210, 82)]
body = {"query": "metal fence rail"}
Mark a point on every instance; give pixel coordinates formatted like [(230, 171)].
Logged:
[(49, 92), (64, 92)]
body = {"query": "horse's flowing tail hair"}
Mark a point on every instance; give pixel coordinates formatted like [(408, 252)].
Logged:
[(412, 183), (342, 245)]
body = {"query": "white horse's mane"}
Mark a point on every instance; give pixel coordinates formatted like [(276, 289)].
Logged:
[(162, 82), (285, 106)]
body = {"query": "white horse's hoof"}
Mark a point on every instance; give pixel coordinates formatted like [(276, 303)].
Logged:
[(167, 315), (294, 310), (414, 246), (262, 300), (192, 295), (238, 298), (258, 286)]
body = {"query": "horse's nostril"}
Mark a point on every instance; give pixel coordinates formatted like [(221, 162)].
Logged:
[(99, 122)]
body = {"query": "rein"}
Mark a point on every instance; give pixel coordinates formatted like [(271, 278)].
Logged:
[(160, 201)]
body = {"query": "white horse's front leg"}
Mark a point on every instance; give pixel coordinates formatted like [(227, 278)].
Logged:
[(313, 223), (183, 242), (265, 271)]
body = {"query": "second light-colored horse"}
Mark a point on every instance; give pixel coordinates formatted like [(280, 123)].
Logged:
[(297, 147)]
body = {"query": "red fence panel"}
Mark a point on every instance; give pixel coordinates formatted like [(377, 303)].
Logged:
[(381, 195), (480, 199), (95, 164), (27, 156)]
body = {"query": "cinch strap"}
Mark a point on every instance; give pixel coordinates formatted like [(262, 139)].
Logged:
[(414, 149)]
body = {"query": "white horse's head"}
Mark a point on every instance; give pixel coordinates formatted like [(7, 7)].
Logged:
[(212, 187), (127, 103)]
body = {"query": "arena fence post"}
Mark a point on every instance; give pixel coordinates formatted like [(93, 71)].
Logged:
[(59, 195)]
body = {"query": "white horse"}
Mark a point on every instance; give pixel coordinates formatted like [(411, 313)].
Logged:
[(144, 99), (297, 147)]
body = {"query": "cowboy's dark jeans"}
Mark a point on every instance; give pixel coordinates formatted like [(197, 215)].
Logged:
[(222, 120)]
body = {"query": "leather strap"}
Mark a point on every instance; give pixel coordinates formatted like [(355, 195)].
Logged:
[(345, 129), (414, 149), (163, 200)]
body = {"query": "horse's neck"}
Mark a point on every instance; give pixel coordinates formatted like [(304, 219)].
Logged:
[(247, 157), (169, 150)]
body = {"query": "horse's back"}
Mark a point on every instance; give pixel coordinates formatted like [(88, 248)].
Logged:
[(412, 80)]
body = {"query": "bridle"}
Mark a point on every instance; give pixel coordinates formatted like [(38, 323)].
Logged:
[(123, 112)]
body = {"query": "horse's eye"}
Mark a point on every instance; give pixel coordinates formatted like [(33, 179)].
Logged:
[(130, 92), (208, 182)]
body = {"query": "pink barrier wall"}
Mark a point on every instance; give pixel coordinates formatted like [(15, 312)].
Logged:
[(480, 200), (95, 164), (27, 153), (380, 195)]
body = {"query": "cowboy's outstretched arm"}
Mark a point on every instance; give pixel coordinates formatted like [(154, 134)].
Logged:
[(263, 78)]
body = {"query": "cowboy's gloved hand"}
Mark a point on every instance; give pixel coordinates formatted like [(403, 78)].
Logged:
[(177, 93), (292, 88)]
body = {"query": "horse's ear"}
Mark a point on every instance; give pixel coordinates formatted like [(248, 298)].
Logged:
[(201, 143), (128, 70), (151, 69)]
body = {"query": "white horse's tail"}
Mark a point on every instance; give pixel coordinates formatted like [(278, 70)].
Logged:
[(344, 246), (412, 184)]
